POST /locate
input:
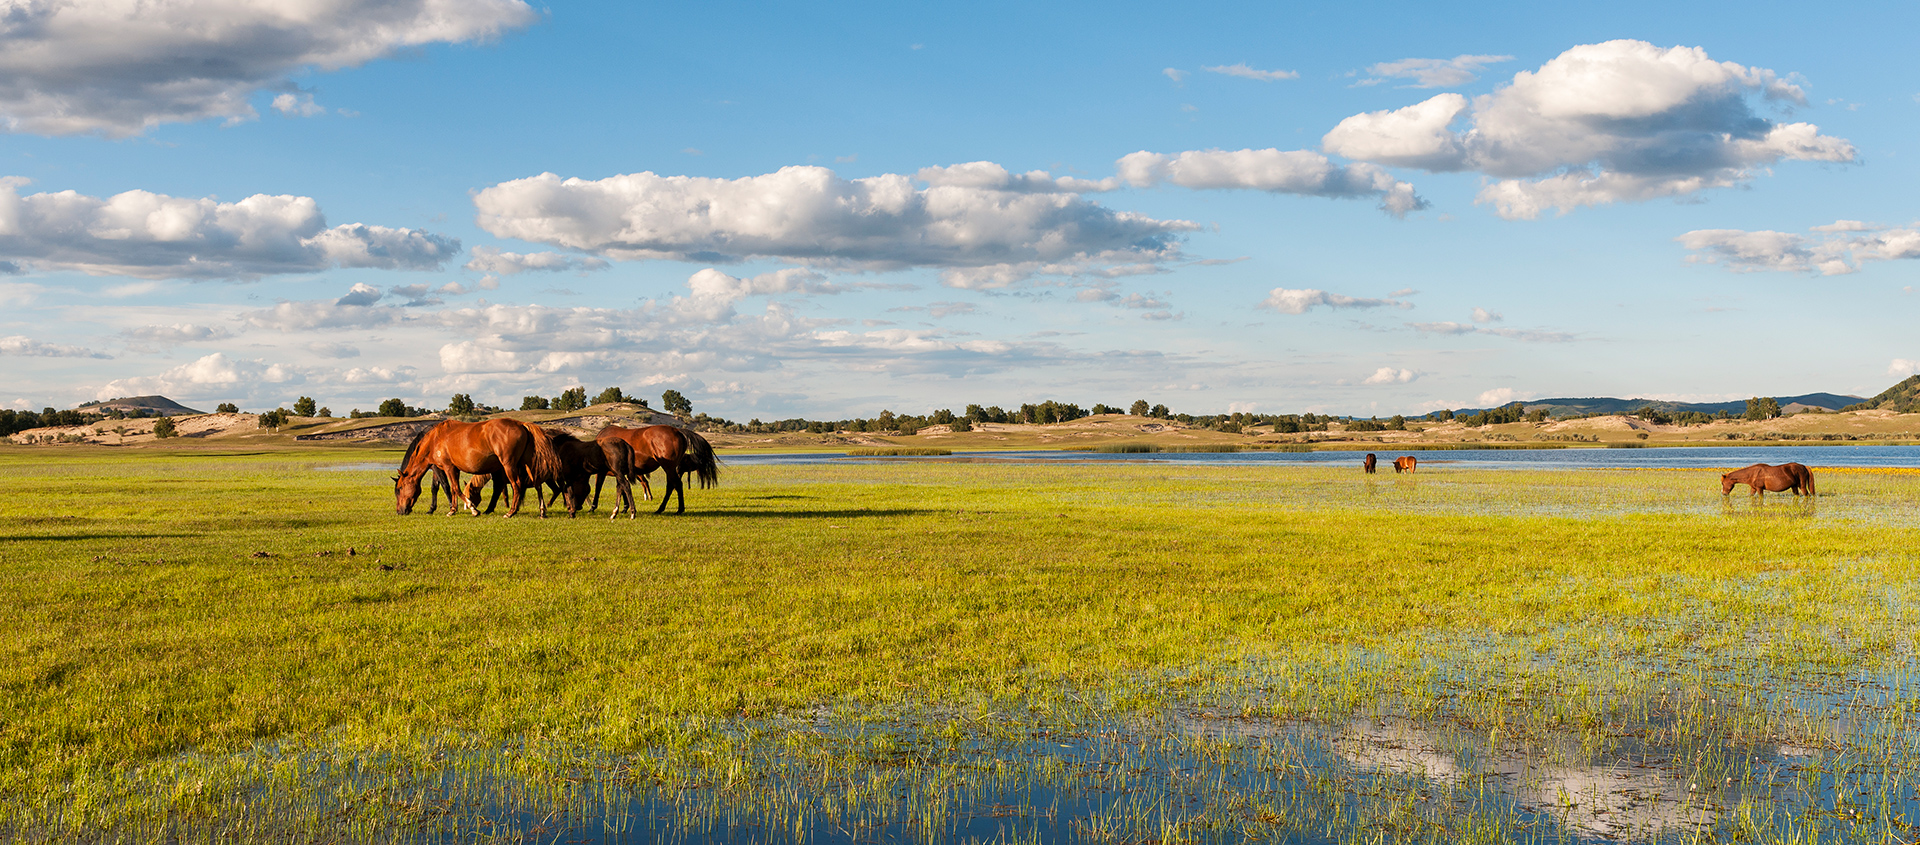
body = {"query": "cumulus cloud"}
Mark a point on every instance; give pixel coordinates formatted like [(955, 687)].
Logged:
[(1496, 397), (118, 69), (1621, 121), (176, 334), (492, 260), (297, 105), (1241, 70), (1902, 367), (215, 371), (810, 215), (1389, 375), (333, 350), (990, 176), (28, 347), (1273, 170), (1482, 315), (154, 236), (1174, 73), (1432, 73), (1288, 301), (1836, 249)]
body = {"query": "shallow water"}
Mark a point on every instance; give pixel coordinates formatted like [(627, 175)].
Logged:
[(1673, 457)]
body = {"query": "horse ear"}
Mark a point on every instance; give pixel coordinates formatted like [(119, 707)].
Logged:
[(396, 478)]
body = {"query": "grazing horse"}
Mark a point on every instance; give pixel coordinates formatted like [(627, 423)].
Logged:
[(1762, 479), (1404, 463), (674, 450), (1369, 462), (507, 450), (584, 459)]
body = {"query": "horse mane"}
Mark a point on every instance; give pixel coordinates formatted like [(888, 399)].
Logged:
[(414, 446)]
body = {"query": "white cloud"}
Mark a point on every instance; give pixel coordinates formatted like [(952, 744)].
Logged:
[(991, 176), (1389, 375), (215, 371), (120, 68), (810, 215), (297, 105), (1496, 397), (154, 236), (333, 350), (1482, 315), (1288, 301), (492, 260), (1241, 70), (1902, 367), (24, 346), (1433, 73), (1277, 171), (1174, 74), (1528, 335), (176, 333), (1621, 121), (1837, 249)]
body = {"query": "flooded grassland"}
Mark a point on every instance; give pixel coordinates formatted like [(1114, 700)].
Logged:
[(205, 647)]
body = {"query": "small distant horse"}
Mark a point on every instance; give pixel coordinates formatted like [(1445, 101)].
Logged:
[(674, 450), (504, 449), (1404, 463), (1762, 479), (1369, 462)]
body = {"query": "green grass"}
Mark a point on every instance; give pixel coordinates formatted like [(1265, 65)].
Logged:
[(194, 637)]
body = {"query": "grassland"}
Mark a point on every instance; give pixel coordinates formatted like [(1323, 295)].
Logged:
[(197, 645)]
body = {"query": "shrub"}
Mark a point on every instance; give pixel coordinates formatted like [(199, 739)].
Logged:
[(163, 428)]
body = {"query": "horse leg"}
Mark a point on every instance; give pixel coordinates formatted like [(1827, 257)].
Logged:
[(598, 482)]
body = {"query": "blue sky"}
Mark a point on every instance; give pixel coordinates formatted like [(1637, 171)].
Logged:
[(784, 210)]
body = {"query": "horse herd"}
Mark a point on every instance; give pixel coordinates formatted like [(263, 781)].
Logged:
[(1759, 478), (515, 455)]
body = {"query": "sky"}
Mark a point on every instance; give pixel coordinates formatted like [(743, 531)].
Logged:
[(827, 210)]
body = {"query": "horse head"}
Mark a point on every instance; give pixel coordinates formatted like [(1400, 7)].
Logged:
[(406, 491), (1726, 484)]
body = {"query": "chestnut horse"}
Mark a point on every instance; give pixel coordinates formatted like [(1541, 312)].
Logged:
[(1762, 479), (674, 450), (1369, 462), (505, 449), (1404, 463)]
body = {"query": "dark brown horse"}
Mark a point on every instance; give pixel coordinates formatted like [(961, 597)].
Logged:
[(1369, 462), (1404, 463), (674, 450), (581, 460), (1762, 479), (505, 449)]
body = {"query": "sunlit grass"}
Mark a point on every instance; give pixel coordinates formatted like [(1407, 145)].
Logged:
[(242, 641)]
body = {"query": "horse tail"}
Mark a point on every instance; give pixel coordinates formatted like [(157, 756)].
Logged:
[(701, 460), (546, 461), (413, 447)]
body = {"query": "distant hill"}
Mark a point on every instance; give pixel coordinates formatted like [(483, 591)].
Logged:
[(156, 405), (1610, 405), (1902, 398)]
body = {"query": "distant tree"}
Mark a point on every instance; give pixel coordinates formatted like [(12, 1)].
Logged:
[(274, 419), (675, 403), (942, 417), (885, 422), (226, 408), (304, 407), (460, 405), (571, 399), (1762, 408), (163, 428), (326, 413), (392, 408), (1140, 408), (1158, 412), (534, 403), (611, 394), (962, 424), (1397, 423)]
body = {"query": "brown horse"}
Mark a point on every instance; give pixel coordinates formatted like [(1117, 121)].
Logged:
[(581, 460), (1762, 479), (1369, 462), (674, 450), (1404, 463), (507, 450)]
